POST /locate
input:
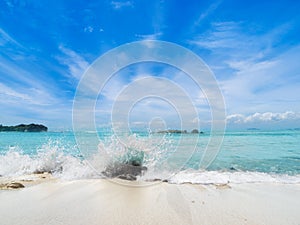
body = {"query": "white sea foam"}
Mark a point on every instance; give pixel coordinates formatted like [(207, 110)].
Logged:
[(56, 158), (63, 163), (14, 163), (69, 167), (154, 149), (221, 177)]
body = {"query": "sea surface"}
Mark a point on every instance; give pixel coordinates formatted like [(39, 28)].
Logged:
[(244, 156)]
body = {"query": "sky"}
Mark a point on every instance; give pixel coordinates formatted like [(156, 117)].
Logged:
[(252, 47)]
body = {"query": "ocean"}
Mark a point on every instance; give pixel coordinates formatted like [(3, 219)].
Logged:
[(244, 156)]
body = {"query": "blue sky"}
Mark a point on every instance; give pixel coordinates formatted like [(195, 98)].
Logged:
[(253, 48)]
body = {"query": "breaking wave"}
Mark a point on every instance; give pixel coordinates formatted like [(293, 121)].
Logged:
[(70, 164)]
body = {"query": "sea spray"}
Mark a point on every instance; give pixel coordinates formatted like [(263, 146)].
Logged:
[(245, 156), (130, 156), (49, 158)]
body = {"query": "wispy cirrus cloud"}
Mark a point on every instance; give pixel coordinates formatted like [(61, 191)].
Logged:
[(21, 77), (13, 49), (25, 96), (251, 50), (264, 85), (253, 73), (231, 40), (27, 92), (21, 104), (7, 94), (75, 62), (207, 12), (5, 39)]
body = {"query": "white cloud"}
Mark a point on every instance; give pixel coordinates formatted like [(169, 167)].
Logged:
[(149, 37), (155, 106), (121, 4), (263, 117), (230, 40), (196, 120), (154, 36), (264, 85), (164, 99), (113, 87), (221, 35), (235, 118), (253, 74), (88, 29), (75, 62)]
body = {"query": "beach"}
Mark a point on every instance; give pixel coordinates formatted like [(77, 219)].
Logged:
[(254, 180), (103, 201)]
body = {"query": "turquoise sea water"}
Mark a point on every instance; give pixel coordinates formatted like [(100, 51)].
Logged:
[(245, 156)]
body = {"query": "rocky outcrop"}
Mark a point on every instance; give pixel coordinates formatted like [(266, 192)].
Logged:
[(195, 131), (172, 131), (124, 171), (12, 185)]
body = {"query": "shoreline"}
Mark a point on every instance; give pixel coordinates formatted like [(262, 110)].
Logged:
[(102, 201)]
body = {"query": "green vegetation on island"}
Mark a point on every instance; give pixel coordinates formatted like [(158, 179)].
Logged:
[(24, 128)]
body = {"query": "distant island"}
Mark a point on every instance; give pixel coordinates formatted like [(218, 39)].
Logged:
[(195, 131), (25, 128), (253, 129)]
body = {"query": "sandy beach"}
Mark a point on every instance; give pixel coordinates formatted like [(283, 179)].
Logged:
[(105, 202)]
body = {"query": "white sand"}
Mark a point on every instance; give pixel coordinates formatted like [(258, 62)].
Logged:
[(103, 202)]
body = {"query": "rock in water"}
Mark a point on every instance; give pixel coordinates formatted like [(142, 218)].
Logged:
[(124, 171), (15, 185), (127, 177)]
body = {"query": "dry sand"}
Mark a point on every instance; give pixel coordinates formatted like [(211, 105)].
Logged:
[(105, 202)]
